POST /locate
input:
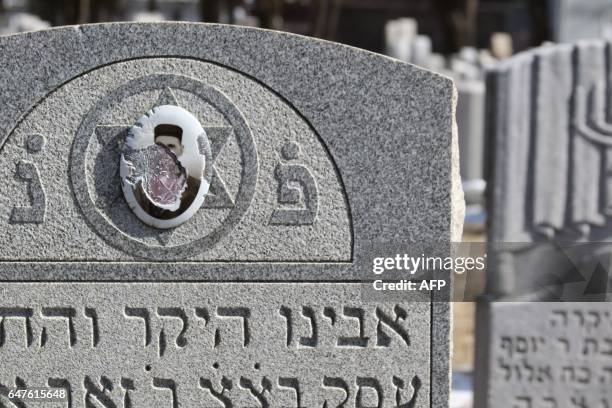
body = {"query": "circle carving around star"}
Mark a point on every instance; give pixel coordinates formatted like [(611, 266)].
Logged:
[(100, 200)]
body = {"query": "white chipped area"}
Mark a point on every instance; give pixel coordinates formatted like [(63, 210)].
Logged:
[(156, 172)]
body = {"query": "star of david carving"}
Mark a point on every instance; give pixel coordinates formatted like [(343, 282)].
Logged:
[(112, 137)]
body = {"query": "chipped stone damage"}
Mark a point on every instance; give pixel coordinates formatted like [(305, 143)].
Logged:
[(163, 168), (160, 175)]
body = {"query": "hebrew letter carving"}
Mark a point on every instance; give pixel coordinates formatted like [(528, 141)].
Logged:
[(259, 395), (595, 318), (167, 384), (332, 382), (529, 369), (239, 312), (92, 315), (506, 344), (559, 318), (356, 341), (67, 313), (65, 385), (35, 214), (507, 369), (285, 312), (585, 375), (330, 313), (366, 382), (568, 374), (17, 313), (226, 384), (288, 175), (580, 317), (591, 346), (101, 394), (544, 374), (523, 402), (400, 385), (143, 314), (565, 344), (384, 340), (202, 313), (313, 340), (608, 351), (128, 385), (579, 402), (294, 384), (176, 313)]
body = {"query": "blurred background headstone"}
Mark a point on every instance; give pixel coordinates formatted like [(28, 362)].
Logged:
[(574, 20), (21, 22), (400, 35), (501, 45), (549, 205)]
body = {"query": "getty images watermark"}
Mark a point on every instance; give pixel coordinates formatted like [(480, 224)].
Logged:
[(417, 272), (414, 265), (523, 272)]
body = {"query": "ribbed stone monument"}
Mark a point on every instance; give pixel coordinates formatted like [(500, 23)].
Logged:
[(550, 212), (184, 209)]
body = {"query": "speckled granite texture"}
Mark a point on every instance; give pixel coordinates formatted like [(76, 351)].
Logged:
[(550, 194), (284, 335), (317, 149)]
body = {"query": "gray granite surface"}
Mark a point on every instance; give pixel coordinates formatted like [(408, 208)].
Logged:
[(291, 344), (544, 355), (550, 188), (376, 138), (318, 149)]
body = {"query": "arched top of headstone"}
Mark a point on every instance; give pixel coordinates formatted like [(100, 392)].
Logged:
[(219, 159), (307, 151)]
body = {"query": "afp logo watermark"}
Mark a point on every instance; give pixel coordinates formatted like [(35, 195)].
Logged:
[(416, 271)]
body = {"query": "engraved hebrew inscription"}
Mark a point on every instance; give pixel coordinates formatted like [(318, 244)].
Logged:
[(573, 357), (211, 345)]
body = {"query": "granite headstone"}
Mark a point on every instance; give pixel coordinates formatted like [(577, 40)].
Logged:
[(312, 150), (549, 206), (471, 121), (574, 20)]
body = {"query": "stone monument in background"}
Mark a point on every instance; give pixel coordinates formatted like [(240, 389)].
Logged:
[(550, 201), (574, 20), (185, 207)]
